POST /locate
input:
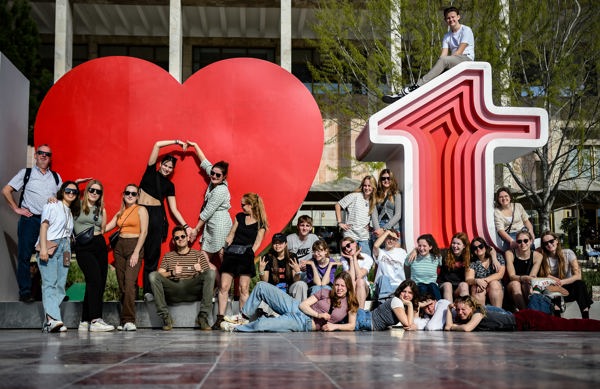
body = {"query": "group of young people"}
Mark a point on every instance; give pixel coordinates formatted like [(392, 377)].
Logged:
[(57, 218)]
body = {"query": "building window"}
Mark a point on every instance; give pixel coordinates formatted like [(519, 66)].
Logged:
[(587, 164), (158, 55), (204, 56)]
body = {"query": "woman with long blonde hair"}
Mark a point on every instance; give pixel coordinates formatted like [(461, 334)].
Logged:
[(359, 206), (242, 243)]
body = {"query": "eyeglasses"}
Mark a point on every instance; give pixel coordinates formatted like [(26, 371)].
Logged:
[(385, 178), (214, 173), (519, 241), (44, 153), (244, 204), (71, 191), (128, 193), (95, 191), (547, 242), (478, 246), (177, 238)]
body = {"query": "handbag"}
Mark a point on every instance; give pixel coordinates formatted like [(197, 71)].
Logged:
[(114, 238), (237, 249), (85, 236), (50, 247)]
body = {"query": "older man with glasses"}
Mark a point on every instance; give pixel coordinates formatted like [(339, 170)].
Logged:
[(37, 184), (184, 275)]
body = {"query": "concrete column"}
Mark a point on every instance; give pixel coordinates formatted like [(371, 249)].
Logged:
[(175, 39), (63, 39), (286, 35)]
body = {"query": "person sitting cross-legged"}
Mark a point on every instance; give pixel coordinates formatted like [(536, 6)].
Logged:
[(184, 275)]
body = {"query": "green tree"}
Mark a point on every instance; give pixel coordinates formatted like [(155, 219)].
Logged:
[(543, 53), (19, 41)]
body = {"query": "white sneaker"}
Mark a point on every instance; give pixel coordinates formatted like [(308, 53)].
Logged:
[(100, 326), (52, 326), (63, 329), (148, 297), (84, 326), (228, 326), (236, 319), (127, 327)]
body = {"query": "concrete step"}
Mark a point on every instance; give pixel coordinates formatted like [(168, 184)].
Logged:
[(19, 315)]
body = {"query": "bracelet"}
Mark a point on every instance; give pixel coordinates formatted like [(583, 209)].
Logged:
[(262, 273), (172, 275), (186, 226), (176, 141)]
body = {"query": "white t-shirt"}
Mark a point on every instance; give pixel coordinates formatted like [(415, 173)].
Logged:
[(302, 248), (553, 263), (365, 263), (60, 220), (452, 41), (391, 264)]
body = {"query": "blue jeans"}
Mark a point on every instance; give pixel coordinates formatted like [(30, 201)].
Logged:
[(363, 321), (364, 246), (315, 288), (291, 317), (384, 288), (28, 231), (54, 279), (431, 288)]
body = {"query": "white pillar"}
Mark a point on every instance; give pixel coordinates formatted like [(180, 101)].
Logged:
[(175, 39), (63, 39), (396, 46), (286, 35)]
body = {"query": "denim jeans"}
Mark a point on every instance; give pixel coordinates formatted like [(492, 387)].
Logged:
[(28, 231), (54, 279), (384, 288), (365, 247), (431, 288), (291, 317), (315, 288), (363, 321)]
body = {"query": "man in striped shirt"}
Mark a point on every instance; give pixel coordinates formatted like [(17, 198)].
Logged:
[(184, 275)]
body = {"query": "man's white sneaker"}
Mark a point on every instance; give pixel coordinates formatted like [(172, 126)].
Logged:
[(63, 329), (236, 319), (100, 326), (228, 326), (52, 326), (84, 326), (127, 327)]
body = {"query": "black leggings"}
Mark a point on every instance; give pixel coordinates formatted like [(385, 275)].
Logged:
[(156, 216)]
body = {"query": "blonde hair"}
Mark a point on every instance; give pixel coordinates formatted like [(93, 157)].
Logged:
[(257, 208)]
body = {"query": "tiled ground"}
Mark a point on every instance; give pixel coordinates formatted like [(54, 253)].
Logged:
[(192, 359)]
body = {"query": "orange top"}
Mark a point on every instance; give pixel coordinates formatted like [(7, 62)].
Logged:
[(129, 221)]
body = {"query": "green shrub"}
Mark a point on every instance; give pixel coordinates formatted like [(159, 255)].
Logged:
[(591, 278)]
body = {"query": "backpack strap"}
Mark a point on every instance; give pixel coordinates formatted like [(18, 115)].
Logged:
[(25, 181)]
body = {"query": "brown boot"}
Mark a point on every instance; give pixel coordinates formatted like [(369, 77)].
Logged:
[(217, 325)]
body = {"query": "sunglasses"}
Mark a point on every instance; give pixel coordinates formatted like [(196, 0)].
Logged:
[(385, 178), (128, 193), (177, 238), (244, 204), (214, 173), (71, 191), (95, 191), (519, 241), (44, 153), (547, 242), (478, 246), (348, 246)]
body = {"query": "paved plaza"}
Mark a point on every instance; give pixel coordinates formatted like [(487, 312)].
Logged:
[(186, 358)]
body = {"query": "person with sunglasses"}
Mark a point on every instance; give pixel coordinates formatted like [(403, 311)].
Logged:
[(132, 221), (482, 276), (359, 265), (54, 254), (523, 265), (184, 275), (38, 184), (155, 186), (564, 269), (214, 216), (388, 205), (92, 255), (390, 259)]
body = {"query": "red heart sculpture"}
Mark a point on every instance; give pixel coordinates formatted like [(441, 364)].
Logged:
[(102, 119)]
